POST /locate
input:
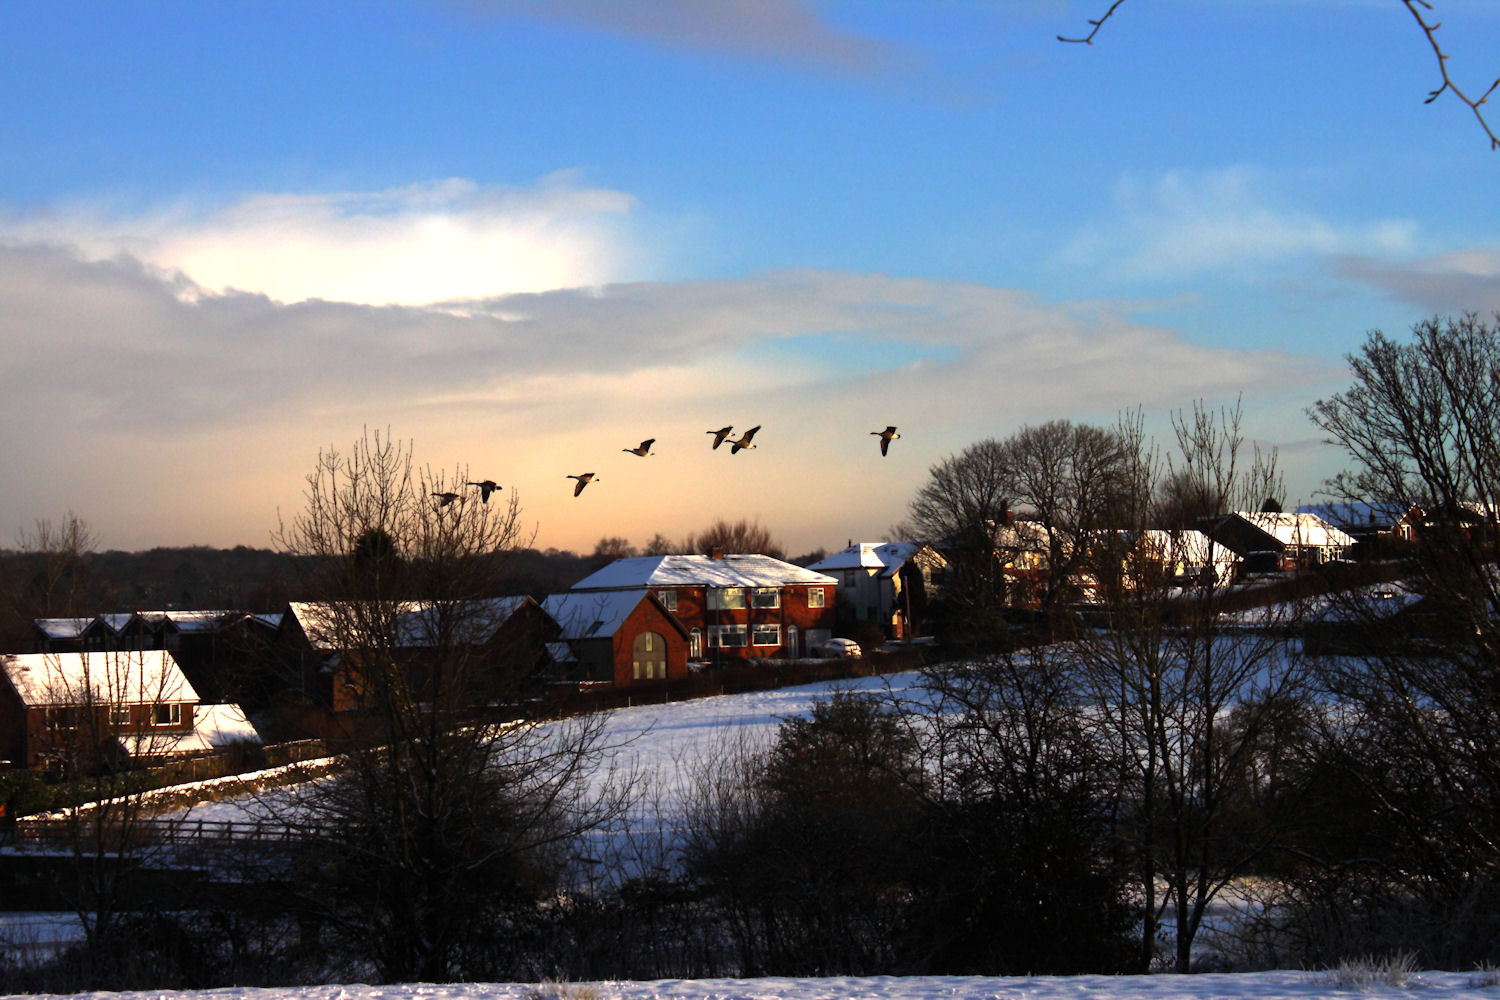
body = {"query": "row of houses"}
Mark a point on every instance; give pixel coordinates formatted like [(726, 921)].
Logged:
[(638, 621)]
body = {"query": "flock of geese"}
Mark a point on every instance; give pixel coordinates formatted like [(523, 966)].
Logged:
[(643, 450)]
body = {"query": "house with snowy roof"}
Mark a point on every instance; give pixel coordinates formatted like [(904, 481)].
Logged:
[(329, 644), (887, 583), (625, 638), (56, 707), (734, 607), (1269, 541), (58, 635)]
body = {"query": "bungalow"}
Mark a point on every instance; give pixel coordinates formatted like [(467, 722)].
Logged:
[(1268, 542), (1379, 530), (60, 710), (888, 583), (733, 606), (626, 638)]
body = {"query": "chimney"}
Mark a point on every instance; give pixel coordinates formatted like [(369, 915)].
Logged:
[(716, 553)]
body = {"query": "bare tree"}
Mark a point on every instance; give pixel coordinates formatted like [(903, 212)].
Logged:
[(1421, 427), (1420, 11), (455, 814), (743, 537), (1168, 669)]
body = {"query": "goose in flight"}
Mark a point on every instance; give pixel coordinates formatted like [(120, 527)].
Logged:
[(720, 434), (643, 449), (444, 499), (744, 441), (886, 437), (486, 487), (583, 480)]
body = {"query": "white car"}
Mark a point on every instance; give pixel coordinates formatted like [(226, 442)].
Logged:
[(839, 648)]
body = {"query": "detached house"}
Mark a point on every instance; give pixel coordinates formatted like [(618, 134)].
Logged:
[(888, 583), (55, 707), (733, 606), (1269, 542)]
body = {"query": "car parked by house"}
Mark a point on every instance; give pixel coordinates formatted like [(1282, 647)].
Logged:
[(839, 649)]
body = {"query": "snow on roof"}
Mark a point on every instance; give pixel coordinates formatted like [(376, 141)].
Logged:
[(1297, 529), (113, 622), (151, 743), (592, 615), (1358, 516), (1187, 545), (414, 623), (137, 677), (222, 725), (887, 557), (62, 628), (700, 571)]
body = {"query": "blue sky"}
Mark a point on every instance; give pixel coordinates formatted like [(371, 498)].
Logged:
[(527, 235)]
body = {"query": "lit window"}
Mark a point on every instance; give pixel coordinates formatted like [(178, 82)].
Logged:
[(726, 598), (766, 635), (815, 597)]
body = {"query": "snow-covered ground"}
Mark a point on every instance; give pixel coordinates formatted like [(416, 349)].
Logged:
[(1259, 986)]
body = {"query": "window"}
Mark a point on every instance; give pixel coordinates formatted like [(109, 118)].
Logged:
[(766, 635), (62, 718), (727, 636), (167, 715), (765, 597), (119, 715), (668, 599), (726, 598), (815, 597)]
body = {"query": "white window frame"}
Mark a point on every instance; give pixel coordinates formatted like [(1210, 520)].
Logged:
[(766, 635), (726, 598), (717, 634), (816, 598), (668, 599), (119, 715), (765, 597), (174, 714)]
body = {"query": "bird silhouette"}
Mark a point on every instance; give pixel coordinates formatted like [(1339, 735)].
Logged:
[(486, 487), (720, 434), (583, 480), (886, 437), (744, 441), (644, 449), (444, 499)]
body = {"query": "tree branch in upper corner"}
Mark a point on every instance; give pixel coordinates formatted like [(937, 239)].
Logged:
[(1429, 29)]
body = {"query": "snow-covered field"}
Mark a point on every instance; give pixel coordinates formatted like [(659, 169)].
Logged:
[(1260, 986), (658, 740)]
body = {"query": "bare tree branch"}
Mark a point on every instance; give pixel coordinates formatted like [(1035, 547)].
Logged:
[(1429, 29)]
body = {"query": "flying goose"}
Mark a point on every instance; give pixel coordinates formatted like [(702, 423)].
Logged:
[(583, 480), (644, 449), (744, 441), (886, 437), (486, 487), (444, 499), (720, 434)]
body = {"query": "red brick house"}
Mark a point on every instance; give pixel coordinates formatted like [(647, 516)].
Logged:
[(734, 607), (57, 707), (626, 638)]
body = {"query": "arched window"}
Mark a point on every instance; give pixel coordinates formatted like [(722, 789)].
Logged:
[(648, 655)]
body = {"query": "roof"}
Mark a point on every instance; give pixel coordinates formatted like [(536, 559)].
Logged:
[(700, 571), (221, 725), (1360, 516), (138, 677), (885, 557), (62, 628), (191, 621), (1298, 529), (414, 623), (592, 615), (1188, 545)]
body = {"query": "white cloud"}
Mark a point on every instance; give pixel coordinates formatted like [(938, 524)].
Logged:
[(451, 239), (1185, 223)]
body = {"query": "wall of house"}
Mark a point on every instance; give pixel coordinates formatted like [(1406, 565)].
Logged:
[(648, 617), (12, 727), (792, 611)]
